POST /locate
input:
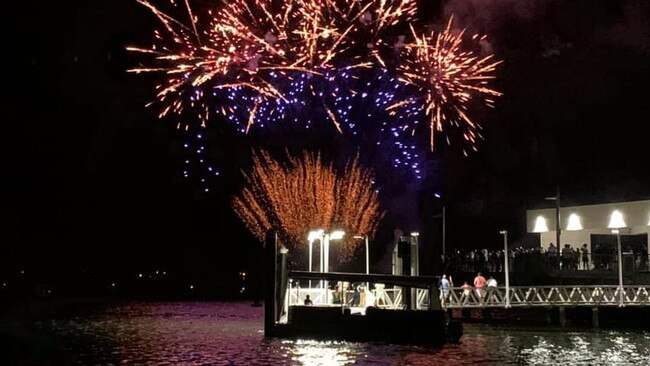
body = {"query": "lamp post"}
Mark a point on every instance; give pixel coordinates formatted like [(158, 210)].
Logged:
[(620, 266), (334, 235), (616, 223), (558, 228), (365, 237), (444, 227), (314, 235), (507, 273)]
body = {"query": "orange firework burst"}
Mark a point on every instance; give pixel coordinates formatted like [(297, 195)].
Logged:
[(448, 77), (306, 194), (259, 45)]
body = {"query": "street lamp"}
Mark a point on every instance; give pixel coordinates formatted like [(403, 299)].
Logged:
[(616, 222), (367, 251), (325, 254), (558, 229), (367, 256), (444, 226), (507, 273), (314, 235), (334, 235)]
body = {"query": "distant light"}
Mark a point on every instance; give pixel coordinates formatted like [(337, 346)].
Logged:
[(540, 225), (337, 234), (415, 234), (574, 223), (191, 287), (157, 272), (4, 284), (615, 231), (112, 284), (503, 232), (22, 271), (436, 195), (164, 273), (140, 275), (616, 221)]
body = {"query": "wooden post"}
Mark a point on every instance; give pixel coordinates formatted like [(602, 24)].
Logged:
[(594, 317), (270, 271), (562, 316), (282, 281)]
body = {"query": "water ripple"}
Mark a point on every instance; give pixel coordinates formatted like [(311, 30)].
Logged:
[(232, 334)]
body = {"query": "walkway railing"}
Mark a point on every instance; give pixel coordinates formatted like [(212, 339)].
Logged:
[(383, 291), (492, 297), (529, 296)]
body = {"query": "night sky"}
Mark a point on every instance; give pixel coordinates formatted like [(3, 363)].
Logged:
[(91, 179)]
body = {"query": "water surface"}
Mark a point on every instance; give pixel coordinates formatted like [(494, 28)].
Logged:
[(217, 333)]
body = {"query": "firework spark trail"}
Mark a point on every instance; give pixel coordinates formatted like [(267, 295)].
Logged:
[(305, 194), (448, 78), (259, 46)]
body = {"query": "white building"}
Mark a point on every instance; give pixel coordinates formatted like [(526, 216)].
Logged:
[(579, 223)]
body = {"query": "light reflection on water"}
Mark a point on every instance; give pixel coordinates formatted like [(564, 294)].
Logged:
[(232, 334)]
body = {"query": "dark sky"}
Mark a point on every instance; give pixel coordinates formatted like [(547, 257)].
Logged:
[(92, 179)]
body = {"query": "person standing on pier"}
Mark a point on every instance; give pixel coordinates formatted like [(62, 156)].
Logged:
[(479, 284), (552, 256), (585, 256), (444, 290), (466, 291), (308, 301)]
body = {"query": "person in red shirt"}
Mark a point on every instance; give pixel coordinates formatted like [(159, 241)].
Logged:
[(479, 283)]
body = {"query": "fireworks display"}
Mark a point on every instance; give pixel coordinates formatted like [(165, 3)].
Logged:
[(448, 78), (197, 165), (260, 48), (315, 64), (305, 194)]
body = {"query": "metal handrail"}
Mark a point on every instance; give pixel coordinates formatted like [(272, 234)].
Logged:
[(529, 296)]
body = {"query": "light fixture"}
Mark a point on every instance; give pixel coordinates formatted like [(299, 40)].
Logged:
[(337, 234), (315, 234), (540, 225), (574, 223), (415, 234), (616, 220)]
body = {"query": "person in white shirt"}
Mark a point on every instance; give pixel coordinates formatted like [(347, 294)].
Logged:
[(492, 289)]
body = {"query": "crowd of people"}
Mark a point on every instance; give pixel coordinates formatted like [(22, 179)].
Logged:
[(520, 259), (482, 287)]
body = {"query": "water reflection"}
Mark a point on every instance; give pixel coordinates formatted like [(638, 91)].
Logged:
[(232, 334), (312, 353)]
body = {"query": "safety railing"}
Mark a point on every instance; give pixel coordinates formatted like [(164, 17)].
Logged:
[(528, 296)]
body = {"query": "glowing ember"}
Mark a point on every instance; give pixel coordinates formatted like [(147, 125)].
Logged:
[(305, 194), (448, 78), (258, 47)]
